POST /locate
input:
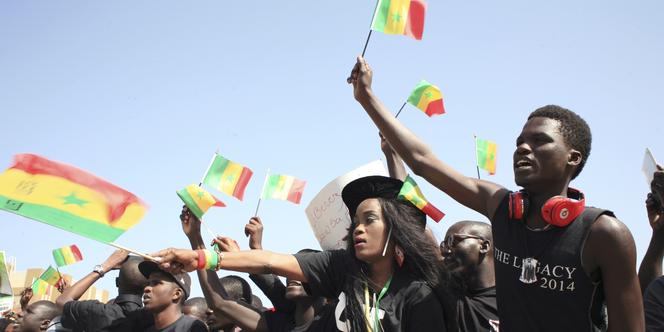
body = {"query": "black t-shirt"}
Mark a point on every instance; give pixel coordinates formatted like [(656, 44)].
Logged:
[(476, 310), (284, 322), (408, 305), (94, 316), (563, 297), (183, 324), (653, 305)]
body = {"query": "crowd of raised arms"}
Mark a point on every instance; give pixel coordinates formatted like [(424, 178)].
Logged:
[(543, 261)]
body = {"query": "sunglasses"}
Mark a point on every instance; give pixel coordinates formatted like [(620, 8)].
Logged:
[(454, 239)]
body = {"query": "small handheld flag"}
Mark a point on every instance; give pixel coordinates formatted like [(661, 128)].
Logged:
[(67, 255), (51, 276), (411, 192), (198, 200), (400, 17), (486, 155), (227, 176), (284, 187), (39, 287), (428, 98)]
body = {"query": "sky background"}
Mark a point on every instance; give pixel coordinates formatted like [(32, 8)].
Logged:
[(142, 94)]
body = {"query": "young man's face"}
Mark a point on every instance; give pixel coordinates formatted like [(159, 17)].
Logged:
[(160, 291), (541, 156), (295, 290)]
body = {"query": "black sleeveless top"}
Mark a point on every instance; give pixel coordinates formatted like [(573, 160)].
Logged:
[(563, 297)]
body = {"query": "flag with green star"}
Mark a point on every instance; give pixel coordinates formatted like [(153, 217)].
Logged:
[(486, 155), (198, 200), (400, 17), (68, 198), (428, 98)]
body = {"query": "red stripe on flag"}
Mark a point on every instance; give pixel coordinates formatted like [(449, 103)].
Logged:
[(433, 212), (76, 252), (245, 176), (296, 190), (435, 107), (415, 23), (117, 198)]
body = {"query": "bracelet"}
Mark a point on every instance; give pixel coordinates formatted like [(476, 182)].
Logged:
[(201, 259), (210, 259), (220, 257)]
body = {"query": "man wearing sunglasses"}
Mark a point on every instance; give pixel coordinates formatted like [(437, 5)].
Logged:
[(468, 254)]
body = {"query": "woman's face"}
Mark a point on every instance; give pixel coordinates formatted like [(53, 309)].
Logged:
[(370, 231)]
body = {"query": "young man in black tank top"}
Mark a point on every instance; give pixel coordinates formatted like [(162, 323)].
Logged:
[(598, 268)]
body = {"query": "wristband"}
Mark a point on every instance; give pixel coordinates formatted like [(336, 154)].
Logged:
[(220, 257), (211, 259), (201, 259)]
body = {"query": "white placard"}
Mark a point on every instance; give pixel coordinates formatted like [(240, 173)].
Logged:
[(327, 213), (649, 166)]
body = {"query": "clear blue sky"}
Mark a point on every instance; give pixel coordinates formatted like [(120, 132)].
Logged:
[(142, 93)]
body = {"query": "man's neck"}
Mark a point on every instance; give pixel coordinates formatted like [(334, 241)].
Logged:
[(482, 277), (537, 199), (167, 316)]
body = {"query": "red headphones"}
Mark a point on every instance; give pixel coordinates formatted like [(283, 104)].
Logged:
[(558, 210)]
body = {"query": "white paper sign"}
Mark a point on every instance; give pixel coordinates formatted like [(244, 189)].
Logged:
[(327, 213), (649, 166)]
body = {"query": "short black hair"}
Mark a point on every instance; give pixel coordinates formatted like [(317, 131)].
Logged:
[(237, 288), (573, 128)]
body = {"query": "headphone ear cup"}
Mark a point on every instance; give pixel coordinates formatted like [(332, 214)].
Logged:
[(561, 211), (517, 206)]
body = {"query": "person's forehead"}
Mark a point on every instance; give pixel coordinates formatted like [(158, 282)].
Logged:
[(161, 275), (542, 125), (369, 204)]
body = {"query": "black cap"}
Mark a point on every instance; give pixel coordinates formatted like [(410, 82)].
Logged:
[(182, 279), (369, 187)]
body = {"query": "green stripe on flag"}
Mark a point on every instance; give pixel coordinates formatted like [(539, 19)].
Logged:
[(271, 187), (416, 95), (213, 177), (190, 203), (381, 15), (61, 219), (59, 259)]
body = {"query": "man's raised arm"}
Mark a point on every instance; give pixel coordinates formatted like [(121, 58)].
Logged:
[(481, 196)]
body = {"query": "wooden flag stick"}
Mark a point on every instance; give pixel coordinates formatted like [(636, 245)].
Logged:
[(402, 106), (200, 184), (477, 166), (373, 17), (112, 244), (267, 175)]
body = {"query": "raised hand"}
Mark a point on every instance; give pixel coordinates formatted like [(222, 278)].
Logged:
[(361, 77), (191, 226), (225, 244), (254, 230), (177, 260), (116, 259)]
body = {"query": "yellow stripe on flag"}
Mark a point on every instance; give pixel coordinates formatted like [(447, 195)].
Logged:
[(397, 16), (62, 194), (201, 197), (230, 177), (429, 94), (285, 183)]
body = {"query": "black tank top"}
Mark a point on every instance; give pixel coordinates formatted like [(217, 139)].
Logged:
[(563, 298)]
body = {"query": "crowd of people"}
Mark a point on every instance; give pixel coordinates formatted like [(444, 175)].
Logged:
[(544, 262)]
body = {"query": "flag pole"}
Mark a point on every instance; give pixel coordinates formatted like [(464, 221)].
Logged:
[(402, 106), (214, 156), (369, 36), (146, 256), (261, 195), (476, 160)]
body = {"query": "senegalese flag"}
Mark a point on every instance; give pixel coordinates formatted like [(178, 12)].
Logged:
[(486, 155), (400, 17), (68, 198), (67, 255), (40, 287), (198, 200), (51, 276), (411, 192), (228, 177), (284, 187), (428, 98)]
